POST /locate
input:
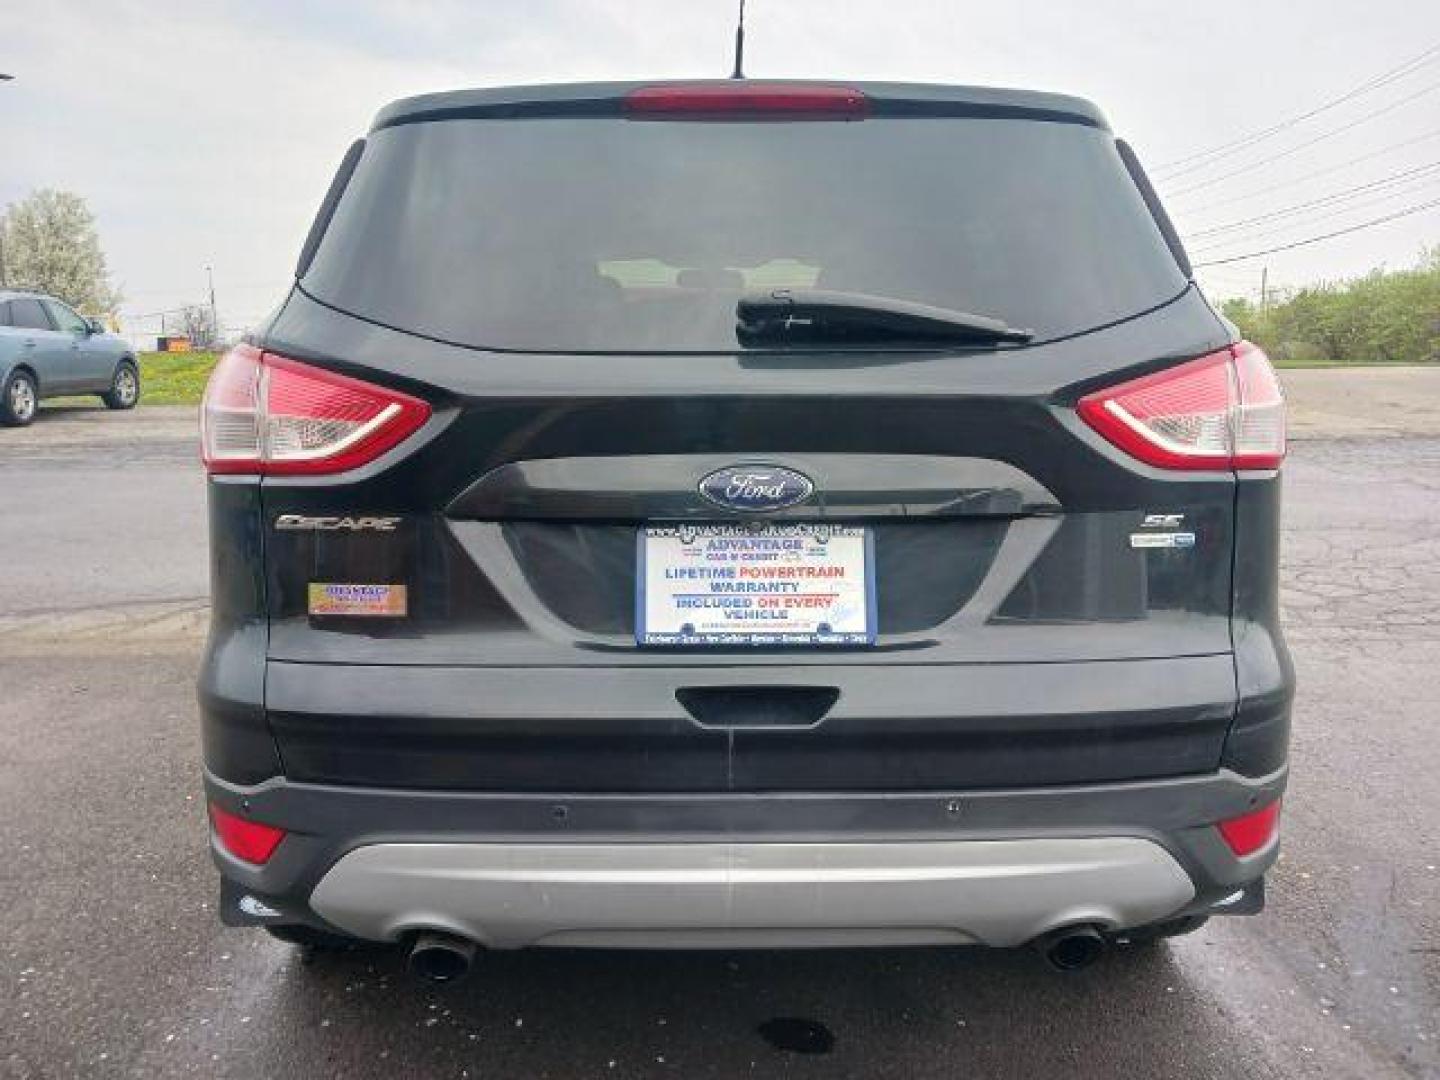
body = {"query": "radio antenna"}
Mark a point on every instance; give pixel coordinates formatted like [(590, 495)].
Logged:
[(739, 72)]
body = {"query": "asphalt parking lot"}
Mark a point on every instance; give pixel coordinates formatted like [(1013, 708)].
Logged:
[(114, 964)]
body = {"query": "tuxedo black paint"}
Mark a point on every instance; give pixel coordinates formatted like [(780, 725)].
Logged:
[(1025, 646)]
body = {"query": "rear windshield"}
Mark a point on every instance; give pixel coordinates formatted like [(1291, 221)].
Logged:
[(614, 235)]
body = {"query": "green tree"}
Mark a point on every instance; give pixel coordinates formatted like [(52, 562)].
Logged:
[(1242, 313), (50, 245), (1401, 315), (1383, 317)]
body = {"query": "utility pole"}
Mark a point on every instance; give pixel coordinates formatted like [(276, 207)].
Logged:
[(214, 317), (1264, 292)]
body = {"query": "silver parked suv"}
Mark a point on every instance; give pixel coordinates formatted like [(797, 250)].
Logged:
[(47, 349)]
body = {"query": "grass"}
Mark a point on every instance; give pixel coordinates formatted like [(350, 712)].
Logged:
[(165, 379), (174, 378)]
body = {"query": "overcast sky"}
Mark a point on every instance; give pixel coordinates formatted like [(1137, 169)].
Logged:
[(205, 132)]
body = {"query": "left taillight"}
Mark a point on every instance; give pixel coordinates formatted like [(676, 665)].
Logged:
[(268, 415), (252, 841), (1221, 411)]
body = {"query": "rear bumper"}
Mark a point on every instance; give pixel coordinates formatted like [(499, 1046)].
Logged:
[(996, 867), (997, 892)]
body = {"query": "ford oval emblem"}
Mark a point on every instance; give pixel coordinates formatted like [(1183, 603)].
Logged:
[(756, 488)]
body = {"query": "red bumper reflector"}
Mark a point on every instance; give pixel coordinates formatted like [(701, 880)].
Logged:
[(760, 100), (243, 838), (1250, 832)]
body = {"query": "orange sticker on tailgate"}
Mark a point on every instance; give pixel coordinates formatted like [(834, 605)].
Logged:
[(333, 598)]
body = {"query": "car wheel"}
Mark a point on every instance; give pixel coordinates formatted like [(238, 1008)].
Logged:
[(308, 937), (124, 391), (20, 399)]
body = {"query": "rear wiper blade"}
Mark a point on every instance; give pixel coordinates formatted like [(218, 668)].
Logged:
[(823, 315)]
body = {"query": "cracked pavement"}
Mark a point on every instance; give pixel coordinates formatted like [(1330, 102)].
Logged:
[(114, 964)]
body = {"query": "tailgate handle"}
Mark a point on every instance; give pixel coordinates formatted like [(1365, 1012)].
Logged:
[(758, 706)]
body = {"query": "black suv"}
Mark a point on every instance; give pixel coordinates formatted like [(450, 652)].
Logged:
[(734, 513)]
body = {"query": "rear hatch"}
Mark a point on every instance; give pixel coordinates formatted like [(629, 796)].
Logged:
[(557, 275)]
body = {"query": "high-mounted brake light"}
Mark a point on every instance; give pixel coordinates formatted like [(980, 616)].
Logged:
[(1250, 832), (778, 101), (269, 415), (243, 838), (1221, 411)]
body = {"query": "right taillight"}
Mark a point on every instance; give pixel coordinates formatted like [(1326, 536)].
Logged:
[(1220, 411), (1250, 832), (269, 415)]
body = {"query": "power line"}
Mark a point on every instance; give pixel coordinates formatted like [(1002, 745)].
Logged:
[(1325, 236), (275, 285), (1236, 145), (1275, 235), (157, 314), (1233, 294), (1311, 219), (1311, 176), (1307, 144), (1234, 280), (1408, 175)]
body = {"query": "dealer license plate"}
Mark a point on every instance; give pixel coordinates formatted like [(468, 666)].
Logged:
[(775, 584)]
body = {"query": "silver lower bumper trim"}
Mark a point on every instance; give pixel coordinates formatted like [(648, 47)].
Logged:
[(997, 892)]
